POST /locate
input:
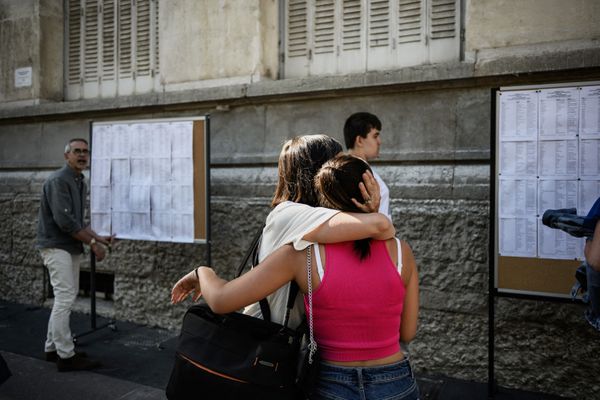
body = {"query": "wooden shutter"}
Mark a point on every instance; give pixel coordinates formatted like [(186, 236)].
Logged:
[(156, 30), (379, 23), (144, 62), (142, 38), (352, 54), (443, 31), (381, 52), (410, 27), (125, 47), (323, 41), (109, 48), (112, 47), (91, 49), (74, 34), (296, 37), (351, 25), (411, 34)]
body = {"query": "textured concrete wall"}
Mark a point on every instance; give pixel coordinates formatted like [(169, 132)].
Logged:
[(239, 41), (436, 162), (508, 23), (31, 35)]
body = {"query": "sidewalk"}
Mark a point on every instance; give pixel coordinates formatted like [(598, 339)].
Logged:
[(137, 362)]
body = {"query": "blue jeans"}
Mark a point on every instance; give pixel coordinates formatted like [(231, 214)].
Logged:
[(387, 382)]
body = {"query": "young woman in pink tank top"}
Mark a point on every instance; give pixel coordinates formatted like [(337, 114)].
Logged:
[(365, 298)]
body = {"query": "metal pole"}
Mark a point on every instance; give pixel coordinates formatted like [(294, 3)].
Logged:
[(491, 248), (207, 161)]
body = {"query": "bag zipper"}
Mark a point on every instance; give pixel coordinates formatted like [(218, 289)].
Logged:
[(210, 371)]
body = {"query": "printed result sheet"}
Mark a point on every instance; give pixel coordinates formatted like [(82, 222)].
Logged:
[(548, 158), (142, 180)]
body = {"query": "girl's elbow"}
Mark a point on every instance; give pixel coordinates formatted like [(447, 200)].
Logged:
[(217, 305)]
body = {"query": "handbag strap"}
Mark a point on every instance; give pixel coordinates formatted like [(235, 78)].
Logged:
[(312, 345), (253, 252), (264, 304)]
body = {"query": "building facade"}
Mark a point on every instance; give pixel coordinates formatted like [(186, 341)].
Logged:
[(267, 70)]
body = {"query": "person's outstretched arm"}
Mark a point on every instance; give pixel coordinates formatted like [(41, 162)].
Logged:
[(592, 249), (224, 296)]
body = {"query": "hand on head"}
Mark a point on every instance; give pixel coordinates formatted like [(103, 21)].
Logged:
[(369, 188)]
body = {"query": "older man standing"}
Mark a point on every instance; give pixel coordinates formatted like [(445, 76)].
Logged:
[(60, 236)]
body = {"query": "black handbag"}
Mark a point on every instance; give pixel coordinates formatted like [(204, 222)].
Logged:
[(235, 356)]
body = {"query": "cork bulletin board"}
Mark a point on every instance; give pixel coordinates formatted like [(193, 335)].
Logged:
[(149, 179), (546, 147)]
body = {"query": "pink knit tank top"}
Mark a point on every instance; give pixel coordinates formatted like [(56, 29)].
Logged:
[(358, 305)]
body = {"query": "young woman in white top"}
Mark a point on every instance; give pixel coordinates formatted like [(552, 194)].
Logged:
[(365, 299), (296, 218)]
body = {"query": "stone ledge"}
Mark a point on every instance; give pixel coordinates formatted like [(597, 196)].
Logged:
[(493, 64)]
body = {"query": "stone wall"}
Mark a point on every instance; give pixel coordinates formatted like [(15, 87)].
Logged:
[(435, 159)]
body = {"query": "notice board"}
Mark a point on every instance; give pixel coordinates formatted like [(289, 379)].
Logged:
[(546, 155), (149, 179)]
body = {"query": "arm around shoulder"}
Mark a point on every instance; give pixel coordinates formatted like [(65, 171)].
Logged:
[(344, 227)]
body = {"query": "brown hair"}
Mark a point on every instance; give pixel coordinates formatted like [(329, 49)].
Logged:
[(299, 161), (337, 184)]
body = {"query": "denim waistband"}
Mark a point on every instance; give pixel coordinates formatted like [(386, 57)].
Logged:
[(352, 375)]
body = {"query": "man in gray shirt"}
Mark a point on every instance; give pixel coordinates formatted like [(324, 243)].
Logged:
[(60, 236)]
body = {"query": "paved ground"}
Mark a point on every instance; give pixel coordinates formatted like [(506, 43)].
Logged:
[(137, 361)]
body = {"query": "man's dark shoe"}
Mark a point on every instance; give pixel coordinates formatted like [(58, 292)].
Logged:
[(76, 363), (52, 356)]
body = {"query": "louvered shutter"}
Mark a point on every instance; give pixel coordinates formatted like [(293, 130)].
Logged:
[(323, 43), (126, 48), (143, 47), (112, 48), (91, 49), (155, 44), (381, 21), (296, 38), (443, 30), (73, 56), (108, 87), (352, 57), (411, 35)]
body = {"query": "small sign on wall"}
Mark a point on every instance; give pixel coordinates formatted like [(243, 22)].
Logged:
[(23, 77)]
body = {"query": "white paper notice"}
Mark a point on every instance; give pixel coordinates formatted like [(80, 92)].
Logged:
[(518, 198), (589, 157), (589, 120), (558, 158), (555, 194), (182, 226), (558, 113), (142, 180), (101, 223), (518, 237), (518, 158), (141, 171), (519, 115), (101, 171), (100, 199), (161, 226), (181, 139), (589, 191), (556, 244), (160, 198)]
